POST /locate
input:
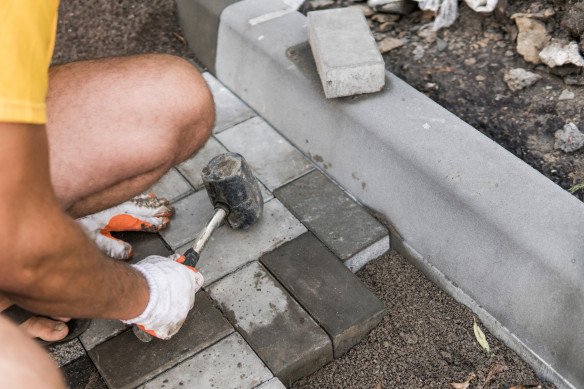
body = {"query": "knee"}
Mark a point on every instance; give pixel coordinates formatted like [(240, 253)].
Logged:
[(192, 110)]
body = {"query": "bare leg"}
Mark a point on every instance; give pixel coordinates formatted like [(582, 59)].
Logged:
[(115, 126)]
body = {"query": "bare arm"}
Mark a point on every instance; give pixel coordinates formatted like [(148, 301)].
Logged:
[(47, 265)]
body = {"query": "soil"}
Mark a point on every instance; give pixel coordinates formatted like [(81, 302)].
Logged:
[(463, 71), (426, 338)]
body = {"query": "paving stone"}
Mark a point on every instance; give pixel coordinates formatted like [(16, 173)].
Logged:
[(82, 373), (192, 214), (274, 160), (336, 219), (171, 186), (333, 296), (126, 362), (229, 109), (284, 336), (64, 353), (345, 52), (191, 168), (230, 363), (274, 383), (230, 249), (101, 330)]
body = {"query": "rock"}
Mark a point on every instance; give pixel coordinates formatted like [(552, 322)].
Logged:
[(518, 79), (558, 54), (385, 18), (569, 139), (531, 38), (574, 80), (426, 33), (573, 20), (384, 27), (543, 15), (367, 11), (388, 44), (401, 7), (566, 95), (441, 44), (319, 4), (419, 52)]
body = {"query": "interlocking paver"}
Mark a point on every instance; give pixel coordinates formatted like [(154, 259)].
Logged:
[(126, 362), (274, 160), (81, 373), (64, 353), (192, 214), (285, 337), (229, 249), (333, 296), (230, 110), (336, 219), (101, 330), (274, 383), (171, 186), (192, 167), (230, 363)]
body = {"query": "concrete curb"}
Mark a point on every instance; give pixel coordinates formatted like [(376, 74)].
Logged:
[(497, 235)]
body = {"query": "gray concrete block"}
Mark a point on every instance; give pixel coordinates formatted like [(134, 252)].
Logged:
[(81, 373), (64, 353), (274, 161), (274, 383), (101, 330), (230, 363), (284, 336), (329, 292), (230, 249), (126, 362), (171, 186), (335, 218), (192, 214), (191, 168), (229, 109), (345, 52), (453, 196)]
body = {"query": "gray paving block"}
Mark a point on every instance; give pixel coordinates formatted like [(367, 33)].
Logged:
[(101, 330), (192, 214), (230, 249), (171, 186), (333, 296), (64, 353), (345, 52), (82, 373), (284, 336), (230, 110), (274, 160), (126, 362), (274, 383), (191, 168), (336, 219), (230, 363)]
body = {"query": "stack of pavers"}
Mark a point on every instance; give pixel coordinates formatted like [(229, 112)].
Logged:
[(279, 300)]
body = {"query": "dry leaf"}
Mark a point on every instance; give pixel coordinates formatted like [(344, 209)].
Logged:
[(496, 368), (389, 44), (535, 386), (378, 386), (481, 338), (465, 384)]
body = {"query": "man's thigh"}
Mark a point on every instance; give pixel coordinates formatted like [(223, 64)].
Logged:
[(119, 119)]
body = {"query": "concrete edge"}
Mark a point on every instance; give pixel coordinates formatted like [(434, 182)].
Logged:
[(498, 228), (363, 257)]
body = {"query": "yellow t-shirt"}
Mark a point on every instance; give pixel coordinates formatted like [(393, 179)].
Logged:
[(27, 38)]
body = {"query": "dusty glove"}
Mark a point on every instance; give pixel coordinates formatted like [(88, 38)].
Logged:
[(142, 213), (172, 294)]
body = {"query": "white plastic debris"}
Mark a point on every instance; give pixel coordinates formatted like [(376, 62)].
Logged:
[(482, 5), (556, 54), (569, 138), (448, 9)]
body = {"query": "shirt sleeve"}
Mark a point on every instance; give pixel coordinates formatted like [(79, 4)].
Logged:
[(27, 38)]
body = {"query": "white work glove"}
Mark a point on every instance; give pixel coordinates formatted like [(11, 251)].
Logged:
[(142, 213), (172, 294)]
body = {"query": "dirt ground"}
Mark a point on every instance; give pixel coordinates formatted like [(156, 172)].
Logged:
[(426, 339), (463, 71)]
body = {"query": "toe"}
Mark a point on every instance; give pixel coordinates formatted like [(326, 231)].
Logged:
[(45, 329)]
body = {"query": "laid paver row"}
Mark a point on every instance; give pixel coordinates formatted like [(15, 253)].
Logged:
[(233, 256)]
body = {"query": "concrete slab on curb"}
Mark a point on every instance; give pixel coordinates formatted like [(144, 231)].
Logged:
[(342, 224), (229, 109), (284, 336), (345, 52), (274, 161), (230, 249), (230, 363), (329, 292), (126, 362)]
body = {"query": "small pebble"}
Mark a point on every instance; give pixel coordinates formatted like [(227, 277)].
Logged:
[(566, 95)]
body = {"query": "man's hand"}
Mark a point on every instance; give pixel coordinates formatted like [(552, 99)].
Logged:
[(142, 213), (172, 294)]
